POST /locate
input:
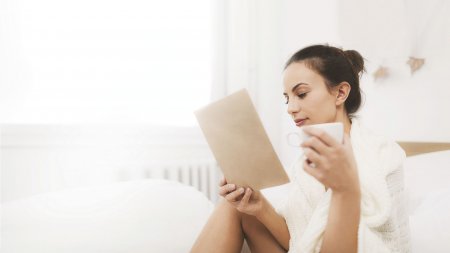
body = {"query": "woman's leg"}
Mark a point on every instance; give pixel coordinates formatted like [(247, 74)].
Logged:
[(222, 232), (226, 229), (259, 238)]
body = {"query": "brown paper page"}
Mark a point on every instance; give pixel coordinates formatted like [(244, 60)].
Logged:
[(239, 142)]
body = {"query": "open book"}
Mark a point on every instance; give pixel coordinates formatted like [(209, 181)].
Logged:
[(239, 142)]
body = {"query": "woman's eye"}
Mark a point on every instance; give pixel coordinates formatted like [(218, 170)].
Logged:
[(302, 95)]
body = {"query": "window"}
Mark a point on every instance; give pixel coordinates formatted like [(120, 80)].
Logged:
[(103, 61)]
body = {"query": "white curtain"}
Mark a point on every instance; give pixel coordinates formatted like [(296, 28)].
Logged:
[(248, 56)]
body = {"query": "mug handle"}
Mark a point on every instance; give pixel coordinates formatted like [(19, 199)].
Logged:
[(288, 136)]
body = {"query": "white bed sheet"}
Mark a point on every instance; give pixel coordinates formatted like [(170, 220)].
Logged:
[(136, 216)]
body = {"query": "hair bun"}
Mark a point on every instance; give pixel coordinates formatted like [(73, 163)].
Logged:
[(356, 60)]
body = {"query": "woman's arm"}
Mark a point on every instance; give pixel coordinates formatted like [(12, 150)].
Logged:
[(341, 232), (275, 223)]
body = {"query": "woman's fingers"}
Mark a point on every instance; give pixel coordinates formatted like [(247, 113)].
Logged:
[(246, 197), (316, 144), (322, 135), (224, 190), (313, 171), (223, 182), (235, 194), (312, 156)]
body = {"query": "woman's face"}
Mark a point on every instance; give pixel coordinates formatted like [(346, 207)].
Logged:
[(307, 96)]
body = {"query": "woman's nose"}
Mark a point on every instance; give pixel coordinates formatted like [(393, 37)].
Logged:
[(293, 107)]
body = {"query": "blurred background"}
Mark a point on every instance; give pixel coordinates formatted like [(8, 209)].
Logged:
[(95, 92)]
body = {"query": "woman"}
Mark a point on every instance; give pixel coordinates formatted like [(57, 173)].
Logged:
[(351, 201)]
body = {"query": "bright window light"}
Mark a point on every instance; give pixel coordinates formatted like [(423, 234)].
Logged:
[(104, 61)]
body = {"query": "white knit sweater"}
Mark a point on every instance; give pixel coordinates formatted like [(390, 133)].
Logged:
[(384, 223)]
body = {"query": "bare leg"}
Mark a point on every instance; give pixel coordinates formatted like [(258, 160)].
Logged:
[(226, 229), (222, 232), (259, 238)]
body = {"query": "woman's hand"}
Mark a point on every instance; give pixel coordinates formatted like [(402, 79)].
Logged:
[(335, 165), (245, 200)]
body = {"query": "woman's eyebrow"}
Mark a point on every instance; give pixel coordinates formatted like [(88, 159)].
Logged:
[(295, 87)]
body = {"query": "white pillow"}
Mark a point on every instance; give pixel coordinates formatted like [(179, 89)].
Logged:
[(425, 174), (136, 216)]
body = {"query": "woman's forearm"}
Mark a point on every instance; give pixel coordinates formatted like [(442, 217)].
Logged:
[(341, 233), (276, 224)]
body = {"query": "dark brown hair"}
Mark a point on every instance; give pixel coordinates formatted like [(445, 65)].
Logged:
[(335, 66)]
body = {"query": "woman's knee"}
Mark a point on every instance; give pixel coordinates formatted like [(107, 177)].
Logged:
[(224, 207), (249, 223)]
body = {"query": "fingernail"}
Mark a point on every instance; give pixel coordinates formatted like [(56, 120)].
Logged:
[(241, 190)]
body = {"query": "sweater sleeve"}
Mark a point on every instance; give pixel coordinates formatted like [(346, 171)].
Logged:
[(291, 171)]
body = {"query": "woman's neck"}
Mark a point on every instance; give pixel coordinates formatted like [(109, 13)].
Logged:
[(346, 121), (347, 125)]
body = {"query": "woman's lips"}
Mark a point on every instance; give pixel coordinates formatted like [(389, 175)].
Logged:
[(300, 122)]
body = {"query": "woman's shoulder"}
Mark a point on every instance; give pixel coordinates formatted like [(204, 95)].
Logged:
[(374, 138), (386, 149)]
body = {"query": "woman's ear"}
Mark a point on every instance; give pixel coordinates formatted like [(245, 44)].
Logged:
[(343, 90)]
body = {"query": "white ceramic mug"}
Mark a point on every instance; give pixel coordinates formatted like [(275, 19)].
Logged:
[(335, 129)]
